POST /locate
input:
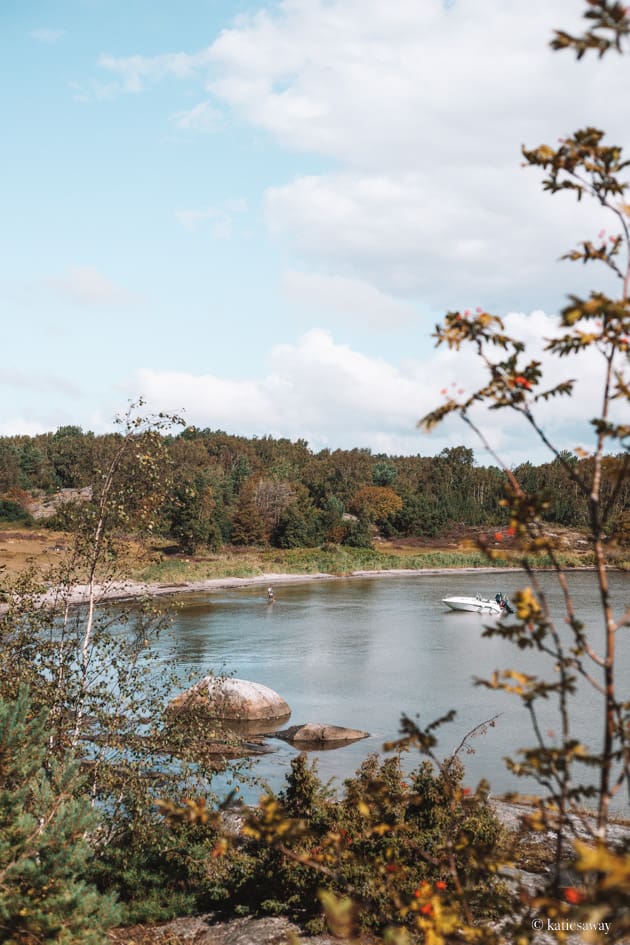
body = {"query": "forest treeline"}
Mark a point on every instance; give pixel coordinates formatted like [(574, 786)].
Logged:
[(227, 489)]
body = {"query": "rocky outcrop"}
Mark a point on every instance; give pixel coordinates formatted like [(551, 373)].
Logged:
[(319, 736), (232, 700), (43, 506), (203, 930)]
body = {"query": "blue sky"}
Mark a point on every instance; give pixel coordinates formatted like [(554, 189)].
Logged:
[(257, 212)]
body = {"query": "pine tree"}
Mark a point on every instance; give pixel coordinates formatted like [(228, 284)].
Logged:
[(248, 527), (44, 820)]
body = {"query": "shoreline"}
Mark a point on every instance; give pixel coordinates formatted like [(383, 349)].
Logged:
[(127, 590)]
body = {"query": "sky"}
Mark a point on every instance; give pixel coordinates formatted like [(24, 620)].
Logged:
[(256, 212)]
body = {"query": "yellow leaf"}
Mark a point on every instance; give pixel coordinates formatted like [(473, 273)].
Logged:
[(339, 913)]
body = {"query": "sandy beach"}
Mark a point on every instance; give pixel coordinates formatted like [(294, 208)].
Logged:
[(130, 590)]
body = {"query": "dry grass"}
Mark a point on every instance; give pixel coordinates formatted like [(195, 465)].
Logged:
[(19, 549), (43, 549)]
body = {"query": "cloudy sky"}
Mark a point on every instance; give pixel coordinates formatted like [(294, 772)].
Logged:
[(257, 211)]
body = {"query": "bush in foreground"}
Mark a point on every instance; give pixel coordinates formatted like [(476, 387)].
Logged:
[(396, 843), (44, 821)]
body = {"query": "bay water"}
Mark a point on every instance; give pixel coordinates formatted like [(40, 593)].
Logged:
[(360, 651)]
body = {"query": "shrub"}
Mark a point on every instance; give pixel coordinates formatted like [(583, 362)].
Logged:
[(13, 512), (44, 821), (157, 876), (388, 841)]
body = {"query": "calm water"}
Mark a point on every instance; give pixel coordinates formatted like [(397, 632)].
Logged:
[(358, 652)]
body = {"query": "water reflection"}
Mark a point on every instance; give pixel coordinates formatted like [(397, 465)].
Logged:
[(359, 652)]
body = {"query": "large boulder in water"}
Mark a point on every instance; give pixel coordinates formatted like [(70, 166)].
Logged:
[(232, 700), (319, 736)]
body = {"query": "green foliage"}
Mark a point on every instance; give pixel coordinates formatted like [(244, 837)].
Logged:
[(9, 465), (189, 514), (254, 491), (384, 473), (248, 527), (31, 459), (293, 530), (90, 673), (329, 558), (305, 797), (392, 841), (359, 533), (14, 512), (419, 515), (414, 857), (45, 817), (157, 874), (71, 456), (111, 712), (65, 517)]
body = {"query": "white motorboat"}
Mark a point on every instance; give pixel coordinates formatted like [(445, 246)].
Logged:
[(476, 605)]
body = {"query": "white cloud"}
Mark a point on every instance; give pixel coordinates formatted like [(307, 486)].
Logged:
[(22, 426), (335, 396), (42, 383), (201, 117), (346, 297), (420, 237), (423, 109), (377, 85), (85, 285), (48, 36), (220, 218), (419, 111), (136, 73), (206, 396), (93, 91), (315, 389)]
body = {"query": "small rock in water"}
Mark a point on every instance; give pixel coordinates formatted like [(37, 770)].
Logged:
[(320, 735)]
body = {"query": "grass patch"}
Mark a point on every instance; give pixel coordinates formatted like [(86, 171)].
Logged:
[(184, 570), (328, 559)]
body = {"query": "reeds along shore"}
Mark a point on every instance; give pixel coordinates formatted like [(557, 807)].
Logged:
[(128, 590)]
